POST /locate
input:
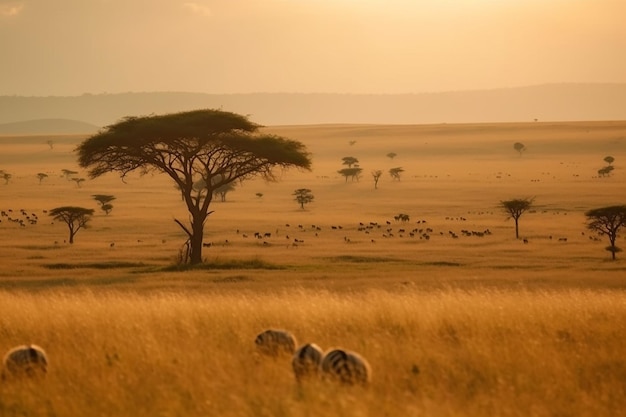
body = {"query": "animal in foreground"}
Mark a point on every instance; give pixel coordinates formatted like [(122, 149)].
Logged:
[(275, 342), (345, 367), (306, 361), (25, 360)]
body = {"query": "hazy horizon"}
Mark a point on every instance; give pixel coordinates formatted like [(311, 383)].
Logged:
[(72, 47)]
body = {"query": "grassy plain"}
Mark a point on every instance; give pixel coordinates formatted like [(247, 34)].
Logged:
[(452, 327)]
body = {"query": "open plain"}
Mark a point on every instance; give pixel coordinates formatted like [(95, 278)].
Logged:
[(456, 316)]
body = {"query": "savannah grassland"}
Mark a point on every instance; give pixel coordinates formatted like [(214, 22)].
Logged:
[(474, 326)]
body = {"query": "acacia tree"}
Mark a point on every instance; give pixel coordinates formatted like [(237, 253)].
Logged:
[(607, 220), (223, 190), (67, 173), (519, 147), (41, 176), (76, 218), (396, 172), (354, 173), (303, 196), (515, 208), (391, 155), (376, 175), (214, 146), (103, 198), (609, 159)]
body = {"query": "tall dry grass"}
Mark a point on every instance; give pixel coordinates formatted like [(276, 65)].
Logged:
[(446, 353)]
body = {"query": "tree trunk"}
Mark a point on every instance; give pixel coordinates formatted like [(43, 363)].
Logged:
[(195, 241), (516, 228)]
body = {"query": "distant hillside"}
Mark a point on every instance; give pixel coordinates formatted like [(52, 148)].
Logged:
[(553, 102), (47, 126)]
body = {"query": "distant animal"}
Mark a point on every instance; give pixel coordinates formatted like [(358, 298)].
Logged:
[(525, 241), (345, 367), (274, 342), (25, 360), (306, 362)]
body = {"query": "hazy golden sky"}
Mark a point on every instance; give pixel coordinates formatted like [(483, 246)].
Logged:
[(70, 47)]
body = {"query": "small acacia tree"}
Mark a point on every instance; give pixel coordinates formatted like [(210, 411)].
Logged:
[(214, 146), (303, 196), (391, 155), (519, 147), (76, 218), (608, 221), (609, 159), (42, 176), (223, 190), (396, 172), (103, 199), (354, 173), (376, 175), (515, 208)]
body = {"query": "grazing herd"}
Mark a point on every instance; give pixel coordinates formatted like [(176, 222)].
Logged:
[(309, 362)]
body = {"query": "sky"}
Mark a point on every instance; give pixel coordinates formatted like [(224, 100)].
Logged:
[(73, 47)]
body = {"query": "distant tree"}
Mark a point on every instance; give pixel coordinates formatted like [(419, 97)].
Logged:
[(222, 190), (303, 196), (515, 209), (78, 181), (608, 221), (603, 172), (376, 175), (42, 176), (107, 208), (353, 173), (350, 161), (396, 172), (50, 143), (6, 176), (609, 159), (352, 142), (259, 195), (519, 147), (67, 173), (391, 155), (216, 146), (76, 218)]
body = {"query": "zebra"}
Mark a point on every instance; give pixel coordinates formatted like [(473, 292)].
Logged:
[(275, 342), (306, 362), (26, 360), (345, 367)]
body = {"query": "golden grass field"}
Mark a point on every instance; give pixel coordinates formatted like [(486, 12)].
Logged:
[(474, 326)]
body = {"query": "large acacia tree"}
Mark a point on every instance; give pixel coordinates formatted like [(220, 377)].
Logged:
[(608, 221), (515, 208), (211, 146), (76, 218)]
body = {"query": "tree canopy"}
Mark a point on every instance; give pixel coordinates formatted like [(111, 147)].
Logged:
[(519, 147), (349, 161), (214, 146)]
